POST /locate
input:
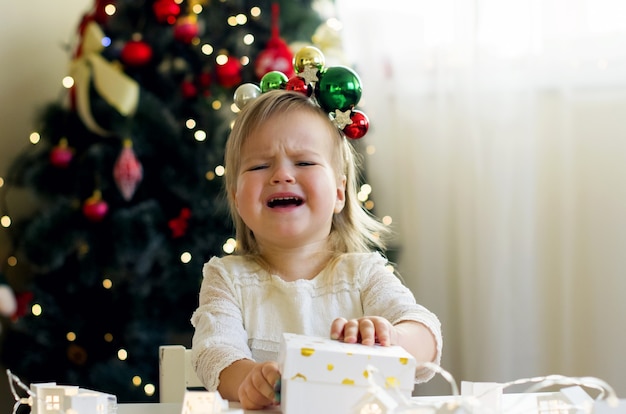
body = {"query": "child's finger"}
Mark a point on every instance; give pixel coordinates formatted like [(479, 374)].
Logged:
[(367, 331)]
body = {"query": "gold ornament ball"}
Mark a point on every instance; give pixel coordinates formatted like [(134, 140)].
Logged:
[(308, 56)]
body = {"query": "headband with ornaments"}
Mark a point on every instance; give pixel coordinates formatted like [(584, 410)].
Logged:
[(336, 89)]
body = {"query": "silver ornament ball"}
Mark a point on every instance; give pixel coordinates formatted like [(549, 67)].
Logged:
[(245, 93)]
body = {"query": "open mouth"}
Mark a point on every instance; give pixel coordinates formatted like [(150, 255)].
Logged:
[(284, 202)]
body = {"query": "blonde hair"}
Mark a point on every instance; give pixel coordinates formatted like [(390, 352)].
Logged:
[(354, 229)]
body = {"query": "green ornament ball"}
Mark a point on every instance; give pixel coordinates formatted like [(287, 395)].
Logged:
[(339, 87), (273, 80)]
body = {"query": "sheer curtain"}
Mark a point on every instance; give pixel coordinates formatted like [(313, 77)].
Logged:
[(499, 129)]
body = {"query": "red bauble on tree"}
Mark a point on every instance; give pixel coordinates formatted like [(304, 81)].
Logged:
[(166, 11), (188, 89), (24, 300), (127, 171), (276, 56), (204, 82), (229, 74), (61, 155), (95, 208), (136, 52), (186, 28), (178, 225)]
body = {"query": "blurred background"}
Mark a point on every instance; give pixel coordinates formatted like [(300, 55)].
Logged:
[(496, 147)]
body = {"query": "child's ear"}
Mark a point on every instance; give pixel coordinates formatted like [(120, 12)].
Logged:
[(340, 202), (232, 196)]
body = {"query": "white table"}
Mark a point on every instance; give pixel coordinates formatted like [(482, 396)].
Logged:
[(511, 404), (174, 408)]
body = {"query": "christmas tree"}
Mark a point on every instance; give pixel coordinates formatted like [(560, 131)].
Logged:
[(126, 170)]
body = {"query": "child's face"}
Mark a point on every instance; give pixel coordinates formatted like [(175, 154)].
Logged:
[(287, 190)]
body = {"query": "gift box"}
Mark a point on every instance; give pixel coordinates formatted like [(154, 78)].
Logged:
[(321, 375)]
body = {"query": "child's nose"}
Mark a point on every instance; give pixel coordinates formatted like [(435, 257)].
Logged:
[(283, 174)]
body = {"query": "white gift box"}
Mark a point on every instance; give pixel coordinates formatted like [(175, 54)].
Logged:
[(321, 375)]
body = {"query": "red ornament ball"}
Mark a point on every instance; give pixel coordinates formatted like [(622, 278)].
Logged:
[(136, 53), (359, 126), (95, 208), (186, 29), (61, 155), (178, 225), (204, 80), (24, 300), (166, 11), (188, 89), (296, 83), (229, 74), (275, 57)]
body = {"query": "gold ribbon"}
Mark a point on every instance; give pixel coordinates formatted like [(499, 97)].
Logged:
[(112, 84)]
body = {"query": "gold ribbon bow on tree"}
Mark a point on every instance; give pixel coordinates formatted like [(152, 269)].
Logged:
[(112, 84)]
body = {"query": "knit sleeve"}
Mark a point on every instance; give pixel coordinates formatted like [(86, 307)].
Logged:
[(384, 294), (219, 338)]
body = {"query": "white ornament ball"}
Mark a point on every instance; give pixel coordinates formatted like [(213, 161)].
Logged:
[(245, 93), (8, 303)]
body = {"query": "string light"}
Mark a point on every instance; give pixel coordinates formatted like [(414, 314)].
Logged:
[(185, 257), (207, 49), (67, 82), (221, 59), (199, 135), (190, 123), (122, 355), (248, 39), (255, 12), (220, 170), (149, 389), (34, 138), (229, 246), (110, 9)]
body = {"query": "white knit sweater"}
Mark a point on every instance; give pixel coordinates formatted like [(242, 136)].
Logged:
[(244, 310)]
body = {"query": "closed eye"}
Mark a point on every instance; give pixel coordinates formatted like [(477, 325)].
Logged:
[(305, 163), (257, 167)]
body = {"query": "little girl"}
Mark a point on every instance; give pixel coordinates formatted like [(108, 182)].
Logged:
[(307, 259)]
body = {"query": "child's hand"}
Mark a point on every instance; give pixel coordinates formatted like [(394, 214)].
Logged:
[(257, 389), (367, 330)]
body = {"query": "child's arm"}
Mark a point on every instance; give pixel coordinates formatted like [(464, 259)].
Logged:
[(251, 383), (415, 337)]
